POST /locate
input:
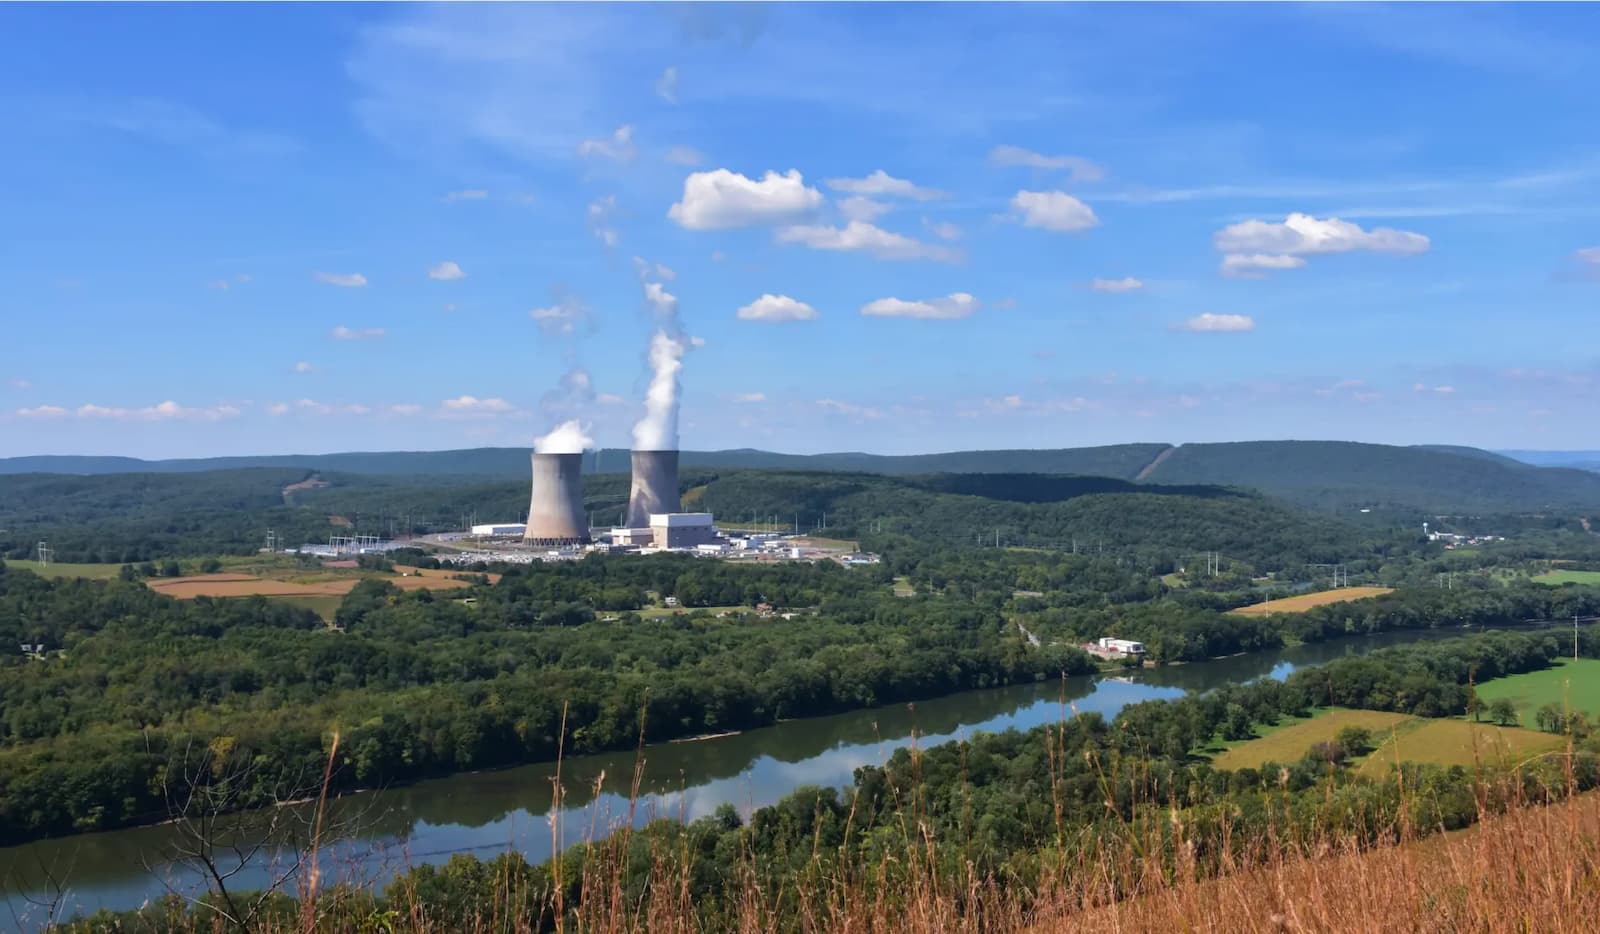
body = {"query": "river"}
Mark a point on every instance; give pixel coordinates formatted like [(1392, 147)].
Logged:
[(488, 813)]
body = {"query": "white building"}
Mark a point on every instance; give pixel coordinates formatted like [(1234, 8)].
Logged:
[(501, 530), (682, 529), (1125, 646)]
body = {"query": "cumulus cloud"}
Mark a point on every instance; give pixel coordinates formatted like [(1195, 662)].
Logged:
[(862, 209), (446, 271), (1078, 168), (749, 397), (1304, 235), (1125, 284), (303, 367), (771, 307), (951, 307), (43, 411), (859, 236), (405, 409), (618, 147), (865, 413), (562, 318), (344, 280), (466, 194), (474, 405), (1053, 210), (721, 199), (1254, 265), (685, 155), (313, 407), (599, 214), (667, 84), (944, 230), (342, 333), (1219, 324), (882, 184)]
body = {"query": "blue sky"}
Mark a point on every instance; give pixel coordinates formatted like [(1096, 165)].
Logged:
[(264, 229)]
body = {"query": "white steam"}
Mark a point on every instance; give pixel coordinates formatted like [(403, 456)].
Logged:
[(567, 438), (658, 429)]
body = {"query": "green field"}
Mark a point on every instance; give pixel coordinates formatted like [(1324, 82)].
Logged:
[(1290, 738), (91, 571), (1557, 578), (1576, 682), (1449, 741)]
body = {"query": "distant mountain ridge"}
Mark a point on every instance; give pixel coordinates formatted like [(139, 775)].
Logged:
[(1336, 475)]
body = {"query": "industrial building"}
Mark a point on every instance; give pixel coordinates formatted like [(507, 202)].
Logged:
[(500, 530), (674, 530)]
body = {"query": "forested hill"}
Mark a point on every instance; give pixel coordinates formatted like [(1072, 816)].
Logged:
[(1119, 460), (1346, 475), (1334, 475)]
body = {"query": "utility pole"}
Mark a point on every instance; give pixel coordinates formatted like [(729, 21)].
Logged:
[(1574, 637)]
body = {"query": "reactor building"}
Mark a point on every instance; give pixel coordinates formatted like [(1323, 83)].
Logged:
[(555, 509)]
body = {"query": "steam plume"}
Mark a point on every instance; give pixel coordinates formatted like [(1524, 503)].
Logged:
[(567, 438), (658, 430)]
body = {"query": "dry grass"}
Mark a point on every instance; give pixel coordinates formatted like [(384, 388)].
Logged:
[(1306, 601), (1457, 742), (302, 585)]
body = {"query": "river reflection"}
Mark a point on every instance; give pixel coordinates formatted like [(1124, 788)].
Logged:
[(491, 812)]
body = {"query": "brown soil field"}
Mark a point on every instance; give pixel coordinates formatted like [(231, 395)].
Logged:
[(1306, 601), (245, 585)]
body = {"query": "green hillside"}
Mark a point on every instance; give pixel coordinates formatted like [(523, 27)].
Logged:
[(1347, 475)]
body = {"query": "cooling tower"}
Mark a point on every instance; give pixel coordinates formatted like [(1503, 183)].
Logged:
[(555, 511), (655, 486)]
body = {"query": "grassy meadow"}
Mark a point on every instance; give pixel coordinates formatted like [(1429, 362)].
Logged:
[(1306, 601), (1574, 682)]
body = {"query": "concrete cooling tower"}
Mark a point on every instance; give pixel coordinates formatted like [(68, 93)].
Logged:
[(555, 511), (655, 486)]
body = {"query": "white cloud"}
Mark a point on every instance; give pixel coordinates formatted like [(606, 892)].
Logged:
[(618, 148), (1253, 265), (303, 367), (405, 409), (466, 194), (1125, 284), (221, 285), (599, 214), (345, 280), (862, 209), (1053, 210), (667, 85), (1304, 235), (748, 397), (43, 411), (951, 307), (647, 269), (883, 184), (771, 307), (685, 155), (1078, 168), (164, 411), (472, 405), (446, 271), (313, 407), (1441, 390), (720, 199), (563, 317), (450, 308), (610, 398), (1589, 254), (1219, 324), (342, 333), (865, 413), (858, 236), (944, 230)]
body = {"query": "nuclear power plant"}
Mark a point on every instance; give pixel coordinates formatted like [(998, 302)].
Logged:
[(555, 508), (655, 487)]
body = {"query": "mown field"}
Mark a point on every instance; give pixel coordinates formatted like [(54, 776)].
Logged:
[(1289, 740), (1306, 601), (1571, 682), (1396, 738)]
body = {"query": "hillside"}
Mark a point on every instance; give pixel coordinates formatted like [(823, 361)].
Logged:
[(1332, 475), (1345, 475)]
